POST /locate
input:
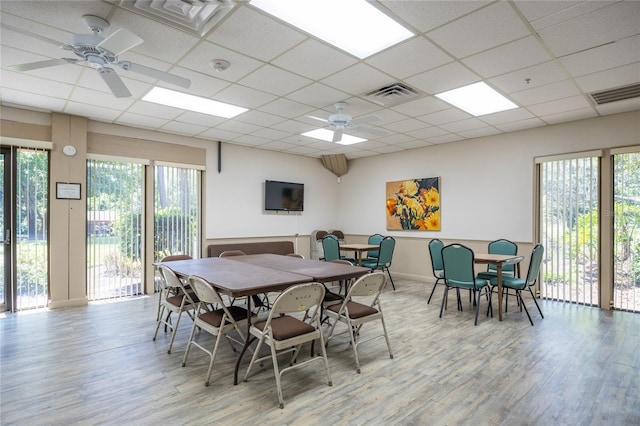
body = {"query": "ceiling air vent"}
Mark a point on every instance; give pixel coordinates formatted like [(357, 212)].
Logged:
[(194, 16), (619, 94), (393, 94)]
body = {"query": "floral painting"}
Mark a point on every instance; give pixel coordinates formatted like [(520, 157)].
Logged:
[(414, 204)]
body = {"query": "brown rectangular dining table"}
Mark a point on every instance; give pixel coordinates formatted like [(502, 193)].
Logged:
[(359, 249), (249, 275), (499, 260)]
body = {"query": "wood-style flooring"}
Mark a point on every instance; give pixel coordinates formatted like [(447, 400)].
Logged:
[(98, 365)]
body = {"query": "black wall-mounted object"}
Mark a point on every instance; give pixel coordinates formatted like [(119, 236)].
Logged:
[(283, 196)]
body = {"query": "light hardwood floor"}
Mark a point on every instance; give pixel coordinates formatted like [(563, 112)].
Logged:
[(98, 365)]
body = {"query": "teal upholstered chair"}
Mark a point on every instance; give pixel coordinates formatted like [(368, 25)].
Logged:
[(435, 251), (331, 248), (458, 264), (374, 239), (385, 256), (501, 246), (520, 284)]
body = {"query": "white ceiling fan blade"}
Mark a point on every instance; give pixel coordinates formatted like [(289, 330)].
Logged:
[(42, 64), (33, 35), (114, 82), (120, 41), (154, 73), (337, 135), (367, 119)]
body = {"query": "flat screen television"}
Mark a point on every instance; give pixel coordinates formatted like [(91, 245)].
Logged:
[(283, 196)]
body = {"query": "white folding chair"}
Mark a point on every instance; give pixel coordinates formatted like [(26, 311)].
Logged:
[(284, 333)]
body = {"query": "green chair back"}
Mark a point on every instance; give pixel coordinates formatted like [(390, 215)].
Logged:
[(534, 264), (386, 252), (506, 247), (457, 261), (435, 251), (331, 248), (374, 239)]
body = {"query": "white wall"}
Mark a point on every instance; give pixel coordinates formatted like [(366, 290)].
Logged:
[(235, 196), (487, 184)]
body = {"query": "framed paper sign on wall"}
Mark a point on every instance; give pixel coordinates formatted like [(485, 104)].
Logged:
[(413, 204), (67, 191)]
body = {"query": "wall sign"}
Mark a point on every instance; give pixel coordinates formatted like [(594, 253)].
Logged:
[(67, 191)]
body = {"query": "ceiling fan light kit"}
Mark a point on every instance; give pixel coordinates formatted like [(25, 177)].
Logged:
[(340, 121), (98, 53)]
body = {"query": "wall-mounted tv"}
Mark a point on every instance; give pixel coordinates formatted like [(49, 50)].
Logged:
[(283, 196)]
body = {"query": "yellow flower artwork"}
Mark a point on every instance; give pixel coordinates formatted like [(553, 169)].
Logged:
[(414, 204)]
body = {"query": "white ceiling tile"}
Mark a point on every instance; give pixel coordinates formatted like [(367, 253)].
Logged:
[(509, 57), (251, 140), (622, 52), (318, 95), (88, 96), (520, 125), (542, 14), (18, 98), (446, 116), (238, 127), (422, 106), (498, 24), (427, 132), (560, 106), (278, 146), (463, 125), (604, 25), (243, 96), (414, 144), (270, 134), (441, 79), (216, 134), (62, 14), (538, 75), (67, 73), (609, 79), (183, 128), (92, 111), (286, 108), (293, 126), (274, 38), (425, 16), (314, 60), (561, 117), (160, 41), (239, 65), (358, 79), (451, 137), (259, 118), (396, 138), (414, 56), (274, 80), (407, 125), (138, 120), (550, 92), (28, 83), (201, 85), (478, 133), (199, 119), (155, 110)]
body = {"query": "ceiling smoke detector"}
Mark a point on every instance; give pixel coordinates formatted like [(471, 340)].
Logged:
[(219, 64)]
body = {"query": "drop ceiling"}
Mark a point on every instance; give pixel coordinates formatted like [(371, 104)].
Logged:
[(546, 56)]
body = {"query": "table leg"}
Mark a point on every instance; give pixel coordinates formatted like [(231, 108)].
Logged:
[(247, 342), (499, 272)]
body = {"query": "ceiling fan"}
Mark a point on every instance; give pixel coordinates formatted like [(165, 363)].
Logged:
[(99, 53), (339, 122)]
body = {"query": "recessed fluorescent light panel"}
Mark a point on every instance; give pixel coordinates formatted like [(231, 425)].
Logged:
[(477, 99), (327, 136), (181, 100), (351, 25)]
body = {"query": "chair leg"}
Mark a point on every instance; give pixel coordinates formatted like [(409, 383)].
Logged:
[(391, 279), (536, 302), (477, 299), (432, 290), (386, 336), (444, 298), (186, 351), (173, 333), (353, 345), (213, 358), (519, 296)]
